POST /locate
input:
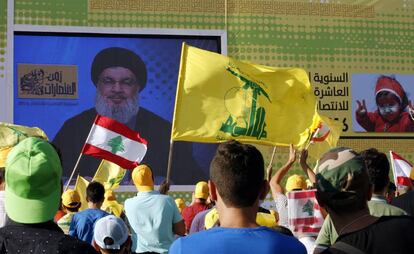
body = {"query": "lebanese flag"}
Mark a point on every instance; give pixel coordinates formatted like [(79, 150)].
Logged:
[(401, 170), (321, 133), (115, 142), (304, 213)]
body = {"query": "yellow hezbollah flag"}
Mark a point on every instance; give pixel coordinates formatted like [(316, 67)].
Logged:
[(11, 134), (109, 174), (220, 98), (80, 186), (325, 136)]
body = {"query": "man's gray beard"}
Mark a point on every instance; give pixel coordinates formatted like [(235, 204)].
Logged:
[(120, 113)]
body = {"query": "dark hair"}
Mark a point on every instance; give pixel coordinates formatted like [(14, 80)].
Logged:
[(2, 171), (73, 209), (283, 230), (378, 168), (95, 192), (237, 170)]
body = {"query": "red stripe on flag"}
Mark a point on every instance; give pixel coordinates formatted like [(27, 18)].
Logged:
[(321, 138), (100, 153), (402, 180), (301, 194), (397, 157), (117, 127), (308, 229), (301, 221)]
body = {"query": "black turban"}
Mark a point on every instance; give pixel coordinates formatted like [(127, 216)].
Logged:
[(119, 57)]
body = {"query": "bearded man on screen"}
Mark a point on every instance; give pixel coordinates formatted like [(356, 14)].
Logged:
[(119, 76)]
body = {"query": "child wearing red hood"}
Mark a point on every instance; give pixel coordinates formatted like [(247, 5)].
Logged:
[(390, 115)]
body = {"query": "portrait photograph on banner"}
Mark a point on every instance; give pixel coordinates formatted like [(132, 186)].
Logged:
[(63, 80), (382, 102)]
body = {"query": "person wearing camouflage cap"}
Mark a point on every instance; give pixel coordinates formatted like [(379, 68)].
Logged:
[(343, 189)]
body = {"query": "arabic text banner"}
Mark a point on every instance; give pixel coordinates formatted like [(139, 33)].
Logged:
[(220, 98)]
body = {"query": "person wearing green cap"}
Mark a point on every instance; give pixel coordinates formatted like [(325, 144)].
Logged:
[(344, 189), (32, 196)]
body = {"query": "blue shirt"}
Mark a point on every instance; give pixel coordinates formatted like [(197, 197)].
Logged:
[(151, 216), (238, 240), (83, 223)]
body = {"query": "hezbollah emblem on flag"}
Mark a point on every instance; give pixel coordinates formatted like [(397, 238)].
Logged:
[(247, 118)]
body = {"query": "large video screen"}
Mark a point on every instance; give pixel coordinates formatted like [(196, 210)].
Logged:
[(62, 80)]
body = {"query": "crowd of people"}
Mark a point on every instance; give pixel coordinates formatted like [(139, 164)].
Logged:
[(362, 215)]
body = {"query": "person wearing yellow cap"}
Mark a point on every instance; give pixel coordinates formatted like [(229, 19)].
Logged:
[(180, 204), (199, 204), (71, 203), (294, 182), (154, 218)]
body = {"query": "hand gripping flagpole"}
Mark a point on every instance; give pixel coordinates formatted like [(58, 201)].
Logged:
[(80, 155), (170, 154)]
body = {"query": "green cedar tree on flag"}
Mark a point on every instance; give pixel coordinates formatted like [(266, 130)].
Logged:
[(115, 142)]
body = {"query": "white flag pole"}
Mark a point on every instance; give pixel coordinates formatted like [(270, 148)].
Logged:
[(394, 175), (314, 135)]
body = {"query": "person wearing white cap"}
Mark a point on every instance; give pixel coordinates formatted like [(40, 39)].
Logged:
[(111, 236)]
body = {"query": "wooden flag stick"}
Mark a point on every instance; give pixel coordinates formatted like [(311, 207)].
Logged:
[(73, 172), (170, 154), (313, 135), (273, 156), (269, 167), (80, 155)]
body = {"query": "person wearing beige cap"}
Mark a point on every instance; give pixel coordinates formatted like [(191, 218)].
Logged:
[(199, 204), (154, 218), (71, 203)]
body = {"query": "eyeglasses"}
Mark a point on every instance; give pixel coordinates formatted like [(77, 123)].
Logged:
[(124, 83)]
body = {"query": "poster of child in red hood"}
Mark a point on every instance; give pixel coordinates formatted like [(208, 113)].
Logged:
[(393, 113)]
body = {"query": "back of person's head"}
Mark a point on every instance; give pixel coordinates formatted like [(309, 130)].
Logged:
[(71, 200), (295, 182), (142, 178), (33, 186), (111, 234), (342, 180), (237, 170), (95, 192), (378, 168), (201, 190)]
